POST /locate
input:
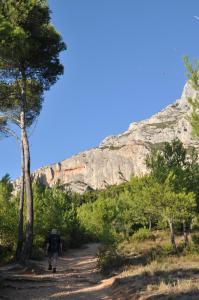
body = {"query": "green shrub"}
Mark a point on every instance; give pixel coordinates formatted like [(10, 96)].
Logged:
[(37, 253), (6, 254), (143, 234), (65, 241), (108, 259), (158, 252), (39, 247), (191, 248), (195, 238)]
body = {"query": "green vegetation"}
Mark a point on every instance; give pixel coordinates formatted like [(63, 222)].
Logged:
[(193, 76), (142, 224), (54, 208), (166, 199), (8, 219), (143, 234)]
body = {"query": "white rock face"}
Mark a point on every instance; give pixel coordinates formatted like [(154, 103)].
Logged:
[(96, 168), (119, 157)]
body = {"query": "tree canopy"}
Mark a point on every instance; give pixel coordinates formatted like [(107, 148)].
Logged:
[(29, 50)]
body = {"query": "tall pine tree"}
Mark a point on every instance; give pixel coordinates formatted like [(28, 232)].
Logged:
[(29, 65)]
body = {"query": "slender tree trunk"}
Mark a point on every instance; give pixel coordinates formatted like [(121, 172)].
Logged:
[(185, 233), (28, 185), (29, 197), (150, 224), (173, 242), (21, 206)]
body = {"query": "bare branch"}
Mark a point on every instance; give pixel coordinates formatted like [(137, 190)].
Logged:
[(11, 133)]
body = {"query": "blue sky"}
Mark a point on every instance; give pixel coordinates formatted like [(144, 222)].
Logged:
[(123, 64)]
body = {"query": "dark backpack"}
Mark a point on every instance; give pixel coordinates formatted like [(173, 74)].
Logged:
[(54, 243)]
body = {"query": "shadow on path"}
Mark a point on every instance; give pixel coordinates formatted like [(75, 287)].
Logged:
[(77, 278)]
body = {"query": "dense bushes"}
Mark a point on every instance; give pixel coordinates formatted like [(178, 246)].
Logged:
[(53, 208), (195, 238), (109, 259), (101, 219), (143, 234), (167, 199), (144, 202), (8, 216)]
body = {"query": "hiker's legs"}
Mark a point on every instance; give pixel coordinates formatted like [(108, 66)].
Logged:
[(49, 261), (54, 260)]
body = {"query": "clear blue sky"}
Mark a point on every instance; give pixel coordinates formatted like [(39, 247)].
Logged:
[(123, 64)]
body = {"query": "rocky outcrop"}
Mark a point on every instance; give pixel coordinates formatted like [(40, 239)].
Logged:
[(96, 168), (119, 157)]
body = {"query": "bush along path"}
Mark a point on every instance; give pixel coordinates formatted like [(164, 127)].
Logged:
[(77, 277)]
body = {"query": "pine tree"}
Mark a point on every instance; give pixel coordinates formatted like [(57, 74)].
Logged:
[(193, 76), (29, 65)]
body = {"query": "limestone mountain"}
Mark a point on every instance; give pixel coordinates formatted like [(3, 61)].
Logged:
[(119, 157)]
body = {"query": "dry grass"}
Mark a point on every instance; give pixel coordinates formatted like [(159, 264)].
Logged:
[(135, 247), (167, 264), (181, 286), (174, 278), (170, 277)]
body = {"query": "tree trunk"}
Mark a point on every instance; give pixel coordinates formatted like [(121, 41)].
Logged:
[(28, 186), (185, 233), (173, 242), (29, 198), (150, 224), (21, 206)]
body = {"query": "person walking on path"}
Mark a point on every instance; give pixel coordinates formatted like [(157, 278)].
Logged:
[(53, 249)]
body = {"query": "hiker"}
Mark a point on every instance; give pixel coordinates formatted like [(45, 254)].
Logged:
[(53, 249)]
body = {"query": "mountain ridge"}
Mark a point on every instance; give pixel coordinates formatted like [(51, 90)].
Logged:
[(119, 157)]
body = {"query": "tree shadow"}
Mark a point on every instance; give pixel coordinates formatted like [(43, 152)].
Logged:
[(55, 290)]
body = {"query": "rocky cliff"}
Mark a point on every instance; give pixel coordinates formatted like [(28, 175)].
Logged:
[(119, 157)]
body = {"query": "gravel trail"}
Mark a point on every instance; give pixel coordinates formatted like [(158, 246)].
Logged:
[(77, 278)]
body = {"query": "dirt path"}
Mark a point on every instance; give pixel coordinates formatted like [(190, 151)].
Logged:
[(76, 278)]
